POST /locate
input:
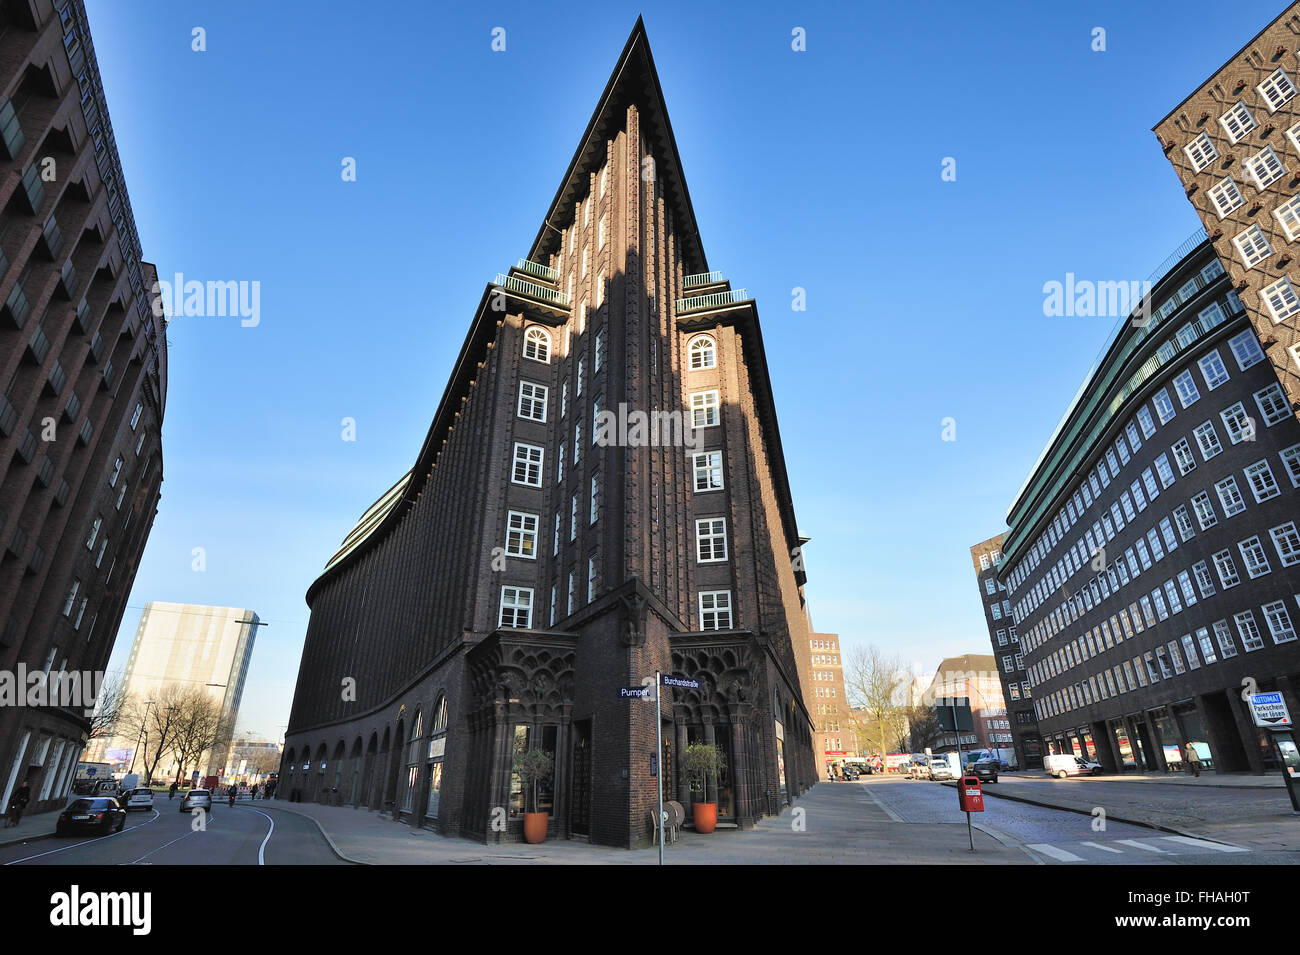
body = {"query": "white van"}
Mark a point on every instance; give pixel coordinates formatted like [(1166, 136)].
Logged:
[(1061, 765)]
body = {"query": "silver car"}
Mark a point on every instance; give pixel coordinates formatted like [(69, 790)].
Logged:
[(196, 799), (137, 799)]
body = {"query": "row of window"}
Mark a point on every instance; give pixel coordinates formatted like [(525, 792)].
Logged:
[(1168, 599), (517, 604), (1276, 90), (1172, 659), (1240, 426)]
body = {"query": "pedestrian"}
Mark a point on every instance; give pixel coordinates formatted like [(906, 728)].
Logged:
[(1191, 761), (171, 792), (252, 793), (18, 803)]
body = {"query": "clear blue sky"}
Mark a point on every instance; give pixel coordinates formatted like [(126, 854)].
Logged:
[(817, 169)]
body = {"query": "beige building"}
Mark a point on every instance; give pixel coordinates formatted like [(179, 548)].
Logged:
[(974, 676), (189, 645)]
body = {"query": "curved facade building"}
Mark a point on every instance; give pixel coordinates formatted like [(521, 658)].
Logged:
[(1152, 560), (602, 494)]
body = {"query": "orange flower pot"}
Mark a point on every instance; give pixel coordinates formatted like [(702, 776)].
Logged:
[(705, 815), (535, 827)]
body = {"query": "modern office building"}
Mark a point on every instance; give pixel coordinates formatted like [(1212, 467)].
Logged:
[(1022, 723), (1152, 559), (83, 368), (601, 495), (191, 647), (972, 676), (833, 732), (1235, 144)]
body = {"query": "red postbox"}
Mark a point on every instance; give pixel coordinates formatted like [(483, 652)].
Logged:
[(970, 798)]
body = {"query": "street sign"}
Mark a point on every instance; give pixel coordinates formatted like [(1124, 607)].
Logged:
[(1269, 710), (954, 714), (633, 692), (681, 682), (91, 771)]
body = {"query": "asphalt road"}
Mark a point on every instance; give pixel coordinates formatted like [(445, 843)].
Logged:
[(242, 835), (1059, 837)]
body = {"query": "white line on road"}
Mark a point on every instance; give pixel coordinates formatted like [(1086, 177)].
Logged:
[(261, 850), (1206, 844), (1098, 845), (1054, 852), (86, 843), (1141, 845), (881, 803)]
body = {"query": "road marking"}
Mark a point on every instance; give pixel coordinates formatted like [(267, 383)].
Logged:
[(1054, 852), (261, 858), (879, 802), (1142, 845), (1098, 845), (124, 828), (1205, 844)]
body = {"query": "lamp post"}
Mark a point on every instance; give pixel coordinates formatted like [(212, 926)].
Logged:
[(143, 723)]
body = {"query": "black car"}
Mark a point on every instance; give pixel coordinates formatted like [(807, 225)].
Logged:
[(100, 814), (985, 769)]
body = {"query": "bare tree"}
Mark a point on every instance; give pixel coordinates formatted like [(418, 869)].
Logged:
[(198, 728), (110, 705), (876, 684), (153, 724)]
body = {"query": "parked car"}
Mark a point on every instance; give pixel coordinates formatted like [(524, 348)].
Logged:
[(1062, 765), (917, 769), (940, 768), (137, 799), (96, 813), (985, 769), (849, 773), (196, 799)]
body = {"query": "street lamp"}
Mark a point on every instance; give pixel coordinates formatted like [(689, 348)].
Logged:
[(143, 723)]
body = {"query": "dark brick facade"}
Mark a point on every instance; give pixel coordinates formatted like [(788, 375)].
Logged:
[(1007, 654), (412, 606), (1151, 597), (83, 364)]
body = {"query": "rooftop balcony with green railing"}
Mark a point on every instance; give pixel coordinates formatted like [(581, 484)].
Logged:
[(711, 300), (533, 290), (700, 279), (544, 272)]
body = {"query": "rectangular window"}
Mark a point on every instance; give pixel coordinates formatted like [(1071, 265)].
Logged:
[(1252, 552), (1201, 152), (559, 464), (1226, 196), (527, 465), (516, 607), (521, 535), (1164, 407), (1223, 563), (704, 409), (1205, 515), (1245, 348), (1183, 520), (1165, 471), (715, 610), (1252, 246), (555, 548), (532, 401), (1279, 622), (708, 476), (1248, 630), (1237, 121), (572, 593), (1264, 167), (1288, 216), (1144, 420), (711, 540), (1272, 404), (1262, 483), (1276, 90), (591, 579), (595, 497), (598, 358), (1186, 388), (1207, 646), (1171, 594), (1287, 543), (1291, 463), (1224, 635), (573, 518), (1207, 439)]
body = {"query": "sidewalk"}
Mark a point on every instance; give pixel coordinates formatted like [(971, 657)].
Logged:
[(1245, 810), (841, 825), (31, 828)]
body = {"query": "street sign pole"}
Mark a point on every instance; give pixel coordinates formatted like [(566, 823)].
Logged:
[(659, 752)]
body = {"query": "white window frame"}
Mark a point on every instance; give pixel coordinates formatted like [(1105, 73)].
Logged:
[(514, 601), (1237, 121), (1200, 151), (536, 396), (705, 409), (1252, 245), (521, 534), (715, 610), (530, 458), (711, 540), (1276, 89)]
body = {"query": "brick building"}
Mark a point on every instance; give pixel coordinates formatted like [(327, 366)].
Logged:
[(83, 365), (975, 677), (833, 736), (538, 557), (1022, 723), (1235, 144), (1152, 559)]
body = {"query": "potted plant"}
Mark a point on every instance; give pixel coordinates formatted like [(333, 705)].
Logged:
[(534, 766), (702, 761)]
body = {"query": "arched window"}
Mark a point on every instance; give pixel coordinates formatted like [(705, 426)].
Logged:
[(537, 344), (413, 763), (704, 353), (437, 753)]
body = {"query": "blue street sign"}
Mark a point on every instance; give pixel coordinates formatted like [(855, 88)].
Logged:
[(682, 682), (91, 771), (633, 692)]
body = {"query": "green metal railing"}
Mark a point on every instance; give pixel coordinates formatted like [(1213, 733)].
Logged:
[(532, 289), (713, 300), (536, 268), (701, 278)]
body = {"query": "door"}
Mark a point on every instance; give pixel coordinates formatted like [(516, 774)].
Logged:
[(580, 803)]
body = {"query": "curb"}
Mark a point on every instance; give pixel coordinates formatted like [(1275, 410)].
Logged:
[(1109, 815), (328, 841), (26, 839)]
